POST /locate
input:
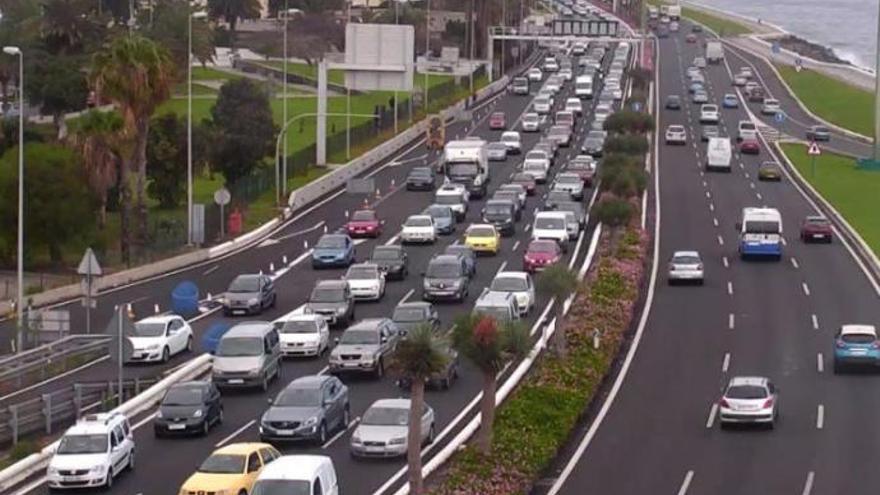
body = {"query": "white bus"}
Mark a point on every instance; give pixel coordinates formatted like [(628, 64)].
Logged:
[(583, 87)]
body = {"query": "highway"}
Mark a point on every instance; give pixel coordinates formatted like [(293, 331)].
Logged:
[(660, 433), (163, 465)]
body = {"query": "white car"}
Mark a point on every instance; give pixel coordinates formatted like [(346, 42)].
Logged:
[(455, 196), (700, 62), (157, 338), (551, 225), (749, 399), (512, 140), (709, 114), (614, 89), (550, 65), (520, 285), (553, 84), (542, 105), (770, 106), (535, 75), (676, 134), (366, 280), (419, 228), (602, 112), (383, 429), (574, 105), (566, 74), (92, 452), (303, 334), (531, 122), (537, 168), (685, 266)]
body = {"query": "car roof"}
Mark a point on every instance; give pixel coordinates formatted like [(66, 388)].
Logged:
[(95, 424), (480, 226), (331, 284), (685, 253), (393, 247), (391, 403), (494, 298), (512, 274), (756, 381), (242, 448), (308, 380), (367, 324), (365, 264), (248, 329), (445, 258), (858, 330), (456, 250), (549, 214), (419, 216), (816, 218), (159, 319), (294, 467)]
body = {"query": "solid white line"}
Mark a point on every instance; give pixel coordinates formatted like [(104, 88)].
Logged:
[(720, 240), (211, 270), (686, 483), (815, 322), (784, 242), (711, 206), (725, 365), (820, 417), (808, 486), (725, 261), (806, 288), (405, 297), (501, 268), (820, 363), (515, 245), (144, 421), (335, 437), (731, 321), (712, 412), (235, 433), (715, 221), (730, 288), (299, 259), (794, 262), (392, 240)]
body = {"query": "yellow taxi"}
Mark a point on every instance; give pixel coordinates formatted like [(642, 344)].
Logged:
[(230, 470), (482, 238)]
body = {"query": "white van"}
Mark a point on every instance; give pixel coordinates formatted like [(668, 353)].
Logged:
[(718, 154), (312, 474), (92, 452), (551, 225), (583, 87)]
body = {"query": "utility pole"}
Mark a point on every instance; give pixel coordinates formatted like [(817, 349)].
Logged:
[(427, 52), (284, 100), (473, 21)]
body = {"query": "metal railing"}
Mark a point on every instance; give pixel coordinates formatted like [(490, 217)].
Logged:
[(22, 369)]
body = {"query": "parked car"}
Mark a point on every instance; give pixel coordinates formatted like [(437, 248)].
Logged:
[(364, 223), (365, 347), (383, 430), (249, 294), (749, 399), (392, 260), (333, 250), (308, 409), (157, 338), (816, 228)]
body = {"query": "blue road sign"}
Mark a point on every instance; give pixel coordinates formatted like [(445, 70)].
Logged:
[(779, 117)]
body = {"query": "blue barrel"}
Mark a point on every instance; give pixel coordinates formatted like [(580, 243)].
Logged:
[(212, 336), (185, 299)]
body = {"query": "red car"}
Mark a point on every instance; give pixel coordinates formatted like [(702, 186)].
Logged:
[(364, 223), (540, 254), (750, 147), (585, 168), (816, 229), (691, 38), (498, 121), (525, 180)]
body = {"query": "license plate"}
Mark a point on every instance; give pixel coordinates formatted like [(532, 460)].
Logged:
[(176, 427), (69, 478), (285, 433), (350, 365), (818, 236), (239, 311), (236, 381)]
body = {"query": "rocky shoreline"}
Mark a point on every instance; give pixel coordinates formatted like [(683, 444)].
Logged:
[(811, 50)]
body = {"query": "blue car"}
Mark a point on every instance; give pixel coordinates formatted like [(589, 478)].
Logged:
[(730, 101), (856, 345), (444, 218), (333, 250)]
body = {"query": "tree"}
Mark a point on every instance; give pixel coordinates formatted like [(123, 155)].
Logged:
[(242, 129), (97, 137), (419, 356), (59, 205), (233, 10), (170, 29), (136, 74), (166, 160), (58, 85), (66, 26), (559, 282), (316, 34), (489, 346)]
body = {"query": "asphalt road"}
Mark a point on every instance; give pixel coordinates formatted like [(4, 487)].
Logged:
[(751, 318), (176, 459)]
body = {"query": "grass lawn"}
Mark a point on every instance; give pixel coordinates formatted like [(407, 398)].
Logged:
[(198, 89), (831, 99), (853, 192), (724, 27), (209, 74), (338, 76)]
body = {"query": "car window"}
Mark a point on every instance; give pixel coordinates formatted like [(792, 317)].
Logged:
[(114, 439), (253, 464), (317, 489), (126, 428), (267, 455), (267, 345), (327, 393)]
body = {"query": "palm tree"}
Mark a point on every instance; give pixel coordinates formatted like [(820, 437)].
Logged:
[(96, 135), (136, 74), (65, 25), (490, 347), (420, 355)]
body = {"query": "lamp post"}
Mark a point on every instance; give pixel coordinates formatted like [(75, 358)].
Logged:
[(19, 306), (877, 99), (427, 51), (284, 95), (189, 126)]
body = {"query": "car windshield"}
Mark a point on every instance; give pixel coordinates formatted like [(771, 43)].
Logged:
[(822, 222), (248, 283), (570, 179), (281, 487), (424, 221), (331, 242), (746, 126), (443, 270), (547, 223), (507, 284), (420, 172), (82, 444), (298, 397), (530, 118), (494, 209), (820, 129), (439, 211), (499, 313), (363, 216), (459, 169), (320, 295), (746, 392), (481, 232), (223, 464), (593, 142), (386, 254), (559, 131), (144, 329), (543, 247), (359, 337), (522, 178), (510, 138), (497, 146), (858, 338), (386, 416), (299, 326), (408, 314), (240, 346), (536, 155), (448, 199), (542, 101), (761, 227), (686, 259), (362, 273), (183, 396)]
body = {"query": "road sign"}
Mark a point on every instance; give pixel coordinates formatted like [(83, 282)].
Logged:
[(120, 327), (814, 149), (222, 196), (379, 57), (779, 117), (89, 266)]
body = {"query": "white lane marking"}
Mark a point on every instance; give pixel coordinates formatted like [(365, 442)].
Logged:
[(211, 270), (820, 363), (725, 365), (235, 433), (731, 321), (528, 227), (815, 322), (705, 184), (730, 288), (712, 412), (784, 242), (725, 261), (752, 185), (715, 221), (144, 421), (711, 206), (806, 288), (300, 258), (794, 262), (336, 437), (515, 245), (405, 297), (808, 486), (720, 240), (392, 240), (708, 195), (820, 417), (747, 175), (324, 370), (758, 195), (501, 268), (295, 234), (686, 483)]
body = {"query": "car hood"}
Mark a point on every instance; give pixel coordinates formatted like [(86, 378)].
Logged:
[(355, 349), (242, 296), (144, 342), (212, 482), (299, 338), (362, 224), (374, 433), (237, 364), (278, 413), (420, 179), (77, 461), (179, 411), (442, 282)]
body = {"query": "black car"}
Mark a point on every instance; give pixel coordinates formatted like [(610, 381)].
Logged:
[(673, 102), (696, 28), (187, 408), (442, 379), (447, 278), (409, 315), (502, 214), (421, 179), (392, 260), (818, 133), (470, 257)]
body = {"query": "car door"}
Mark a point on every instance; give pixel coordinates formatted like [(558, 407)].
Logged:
[(176, 336), (332, 411), (118, 449), (530, 288), (268, 291), (254, 464), (323, 335)]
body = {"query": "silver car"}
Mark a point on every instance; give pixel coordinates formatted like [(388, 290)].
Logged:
[(383, 429), (307, 409), (686, 266), (497, 152), (749, 399), (571, 183), (365, 347)]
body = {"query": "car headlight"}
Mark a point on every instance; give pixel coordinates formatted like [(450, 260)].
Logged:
[(52, 471), (311, 421), (159, 414), (253, 372), (253, 301), (355, 439), (340, 311), (397, 441), (153, 347), (198, 413), (97, 469)]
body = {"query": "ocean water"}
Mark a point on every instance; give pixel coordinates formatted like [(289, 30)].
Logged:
[(849, 27)]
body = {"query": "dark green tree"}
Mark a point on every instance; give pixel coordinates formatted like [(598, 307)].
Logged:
[(170, 29), (166, 160), (233, 10)]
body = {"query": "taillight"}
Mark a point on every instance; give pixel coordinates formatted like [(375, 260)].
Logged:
[(768, 403), (700, 266), (723, 402), (875, 345), (840, 344)]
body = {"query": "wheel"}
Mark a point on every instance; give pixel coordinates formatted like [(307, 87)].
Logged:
[(322, 434), (108, 483), (346, 417), (380, 369), (189, 344), (131, 460), (166, 355), (205, 427)]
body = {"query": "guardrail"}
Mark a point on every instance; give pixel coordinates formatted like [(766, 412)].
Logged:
[(25, 368)]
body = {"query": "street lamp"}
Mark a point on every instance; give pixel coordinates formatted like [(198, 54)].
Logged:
[(189, 126), (19, 307)]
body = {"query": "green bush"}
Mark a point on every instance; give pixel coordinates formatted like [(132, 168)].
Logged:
[(624, 182), (557, 281), (614, 212), (631, 144), (629, 122)]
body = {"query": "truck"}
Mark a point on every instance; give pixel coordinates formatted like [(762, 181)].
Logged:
[(466, 162), (714, 52), (718, 154), (583, 87), (760, 233), (674, 12)]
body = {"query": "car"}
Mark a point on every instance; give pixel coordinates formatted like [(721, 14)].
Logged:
[(570, 182), (364, 223), (513, 193), (696, 86), (548, 146), (700, 62), (685, 266), (816, 228), (584, 166), (447, 277), (483, 238), (856, 345), (535, 75), (412, 314), (333, 250), (566, 74), (455, 196), (750, 146), (308, 409), (540, 254), (756, 95), (554, 197), (746, 129), (497, 121), (676, 134), (365, 347), (232, 468), (566, 118), (551, 225), (749, 399), (520, 285), (550, 65), (554, 84), (700, 97), (188, 408), (542, 105), (709, 131), (602, 112), (497, 151), (248, 355), (520, 86), (750, 85), (673, 102), (690, 38), (92, 452), (594, 145), (384, 429), (158, 338), (770, 107), (770, 171), (418, 228), (818, 133), (531, 122), (303, 334), (730, 100), (561, 134), (574, 105), (502, 214), (332, 300), (537, 168), (746, 72), (444, 218), (525, 180), (366, 281), (442, 379), (512, 140), (709, 114), (306, 474), (577, 210), (421, 179), (500, 306), (740, 81), (673, 26), (697, 77), (470, 257), (696, 28), (249, 294), (392, 260)]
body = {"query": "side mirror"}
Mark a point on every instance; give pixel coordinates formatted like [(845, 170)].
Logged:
[(336, 340), (269, 401), (384, 339)]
